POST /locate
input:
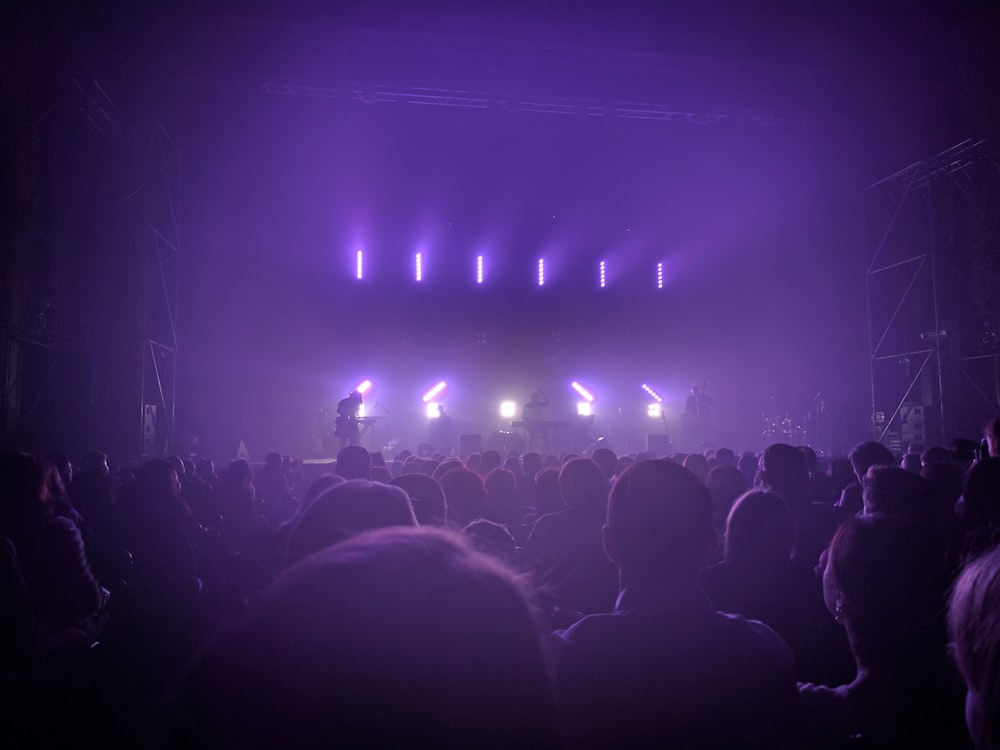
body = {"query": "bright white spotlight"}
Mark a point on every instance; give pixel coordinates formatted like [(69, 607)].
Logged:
[(584, 393), (363, 387), (654, 410), (479, 269), (508, 409), (432, 411), (583, 408), (659, 275), (418, 270), (435, 390), (359, 264), (603, 274), (541, 272), (652, 394)]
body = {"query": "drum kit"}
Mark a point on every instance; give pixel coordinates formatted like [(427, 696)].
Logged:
[(784, 428)]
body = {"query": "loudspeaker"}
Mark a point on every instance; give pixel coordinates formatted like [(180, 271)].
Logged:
[(658, 443), (469, 444)]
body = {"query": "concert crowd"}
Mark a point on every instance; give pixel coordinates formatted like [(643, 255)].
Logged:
[(773, 599)]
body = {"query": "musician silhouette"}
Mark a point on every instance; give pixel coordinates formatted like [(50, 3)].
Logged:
[(533, 416), (440, 431), (696, 414), (348, 412), (699, 403)]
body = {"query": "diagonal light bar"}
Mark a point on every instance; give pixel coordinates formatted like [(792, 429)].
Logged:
[(652, 394), (434, 391)]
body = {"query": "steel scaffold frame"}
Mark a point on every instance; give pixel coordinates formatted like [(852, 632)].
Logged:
[(933, 297), (155, 195), (161, 287)]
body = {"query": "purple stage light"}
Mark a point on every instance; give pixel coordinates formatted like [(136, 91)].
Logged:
[(584, 393), (359, 264), (479, 269), (541, 272), (434, 391), (603, 274), (659, 275), (363, 387), (419, 267)]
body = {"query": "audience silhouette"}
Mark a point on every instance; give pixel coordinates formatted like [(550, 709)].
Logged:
[(546, 600), (757, 579), (565, 547), (664, 668), (395, 638), (885, 582), (974, 629)]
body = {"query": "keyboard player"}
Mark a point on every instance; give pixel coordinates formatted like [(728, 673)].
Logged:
[(536, 432), (348, 413)]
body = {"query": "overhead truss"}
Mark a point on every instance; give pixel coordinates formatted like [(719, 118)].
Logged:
[(482, 100)]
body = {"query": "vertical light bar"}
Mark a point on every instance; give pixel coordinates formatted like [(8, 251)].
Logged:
[(479, 269), (419, 267), (603, 274), (659, 275), (541, 272), (359, 264)]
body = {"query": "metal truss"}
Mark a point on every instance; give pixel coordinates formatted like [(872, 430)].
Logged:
[(158, 391), (481, 100), (32, 344), (151, 192), (102, 114), (32, 350), (933, 289)]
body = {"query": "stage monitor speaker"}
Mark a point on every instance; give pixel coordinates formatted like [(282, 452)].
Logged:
[(658, 443), (469, 444)]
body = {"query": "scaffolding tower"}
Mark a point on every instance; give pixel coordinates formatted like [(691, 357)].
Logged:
[(933, 292), (161, 281)]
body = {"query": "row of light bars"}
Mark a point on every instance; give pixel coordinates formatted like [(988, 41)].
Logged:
[(508, 409), (418, 269)]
